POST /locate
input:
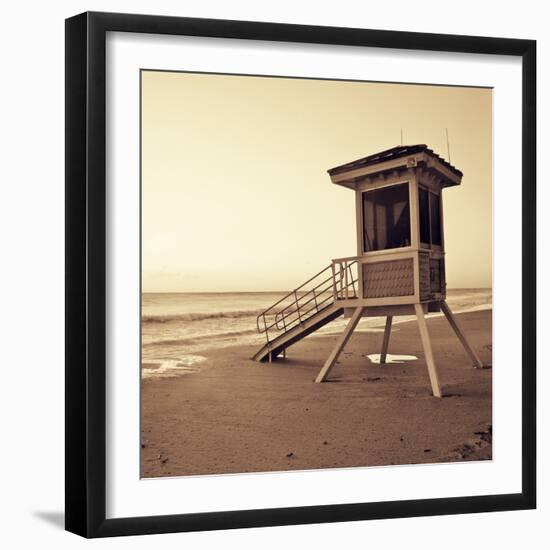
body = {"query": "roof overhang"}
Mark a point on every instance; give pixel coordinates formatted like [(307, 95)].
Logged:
[(414, 158)]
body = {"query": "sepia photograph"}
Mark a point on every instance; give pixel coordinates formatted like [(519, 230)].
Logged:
[(316, 274)]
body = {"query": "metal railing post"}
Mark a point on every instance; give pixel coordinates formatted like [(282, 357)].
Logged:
[(335, 291), (297, 307), (315, 300), (346, 279)]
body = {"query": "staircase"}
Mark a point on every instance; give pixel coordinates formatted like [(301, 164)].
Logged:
[(307, 308)]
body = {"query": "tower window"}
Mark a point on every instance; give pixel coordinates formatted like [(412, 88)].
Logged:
[(386, 218), (424, 211), (435, 218), (429, 208)]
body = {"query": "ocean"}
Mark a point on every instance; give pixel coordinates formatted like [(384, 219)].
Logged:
[(178, 327)]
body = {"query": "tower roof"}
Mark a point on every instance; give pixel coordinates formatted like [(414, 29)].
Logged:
[(392, 154), (396, 159)]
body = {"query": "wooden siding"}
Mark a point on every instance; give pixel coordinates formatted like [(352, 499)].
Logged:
[(424, 276), (432, 277), (389, 278)]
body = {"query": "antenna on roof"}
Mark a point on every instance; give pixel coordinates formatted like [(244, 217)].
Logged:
[(448, 146), (401, 137)]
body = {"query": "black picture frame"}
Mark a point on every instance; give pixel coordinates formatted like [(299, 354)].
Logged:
[(86, 274)]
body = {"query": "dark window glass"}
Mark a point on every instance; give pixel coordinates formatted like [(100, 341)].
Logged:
[(423, 207), (435, 218), (386, 218)]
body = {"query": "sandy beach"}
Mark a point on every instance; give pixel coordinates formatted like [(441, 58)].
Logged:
[(235, 415)]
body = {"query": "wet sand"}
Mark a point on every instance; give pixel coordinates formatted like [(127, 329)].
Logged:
[(235, 415)]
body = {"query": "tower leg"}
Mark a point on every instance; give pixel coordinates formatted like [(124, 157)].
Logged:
[(340, 344), (461, 336), (386, 341), (428, 353)]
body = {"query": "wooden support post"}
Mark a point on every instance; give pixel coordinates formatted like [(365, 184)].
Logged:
[(340, 344), (461, 336), (427, 345), (386, 341)]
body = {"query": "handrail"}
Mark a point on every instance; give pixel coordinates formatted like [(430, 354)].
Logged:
[(310, 291), (301, 304), (283, 317), (345, 259), (296, 289), (275, 324)]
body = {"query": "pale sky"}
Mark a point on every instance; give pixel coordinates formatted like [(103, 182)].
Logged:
[(235, 193)]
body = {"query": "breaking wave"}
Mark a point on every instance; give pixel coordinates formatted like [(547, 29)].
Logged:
[(198, 339), (201, 316)]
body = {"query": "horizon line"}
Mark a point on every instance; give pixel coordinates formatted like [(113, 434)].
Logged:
[(268, 291)]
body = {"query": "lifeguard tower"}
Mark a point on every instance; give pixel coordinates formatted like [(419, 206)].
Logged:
[(400, 264)]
